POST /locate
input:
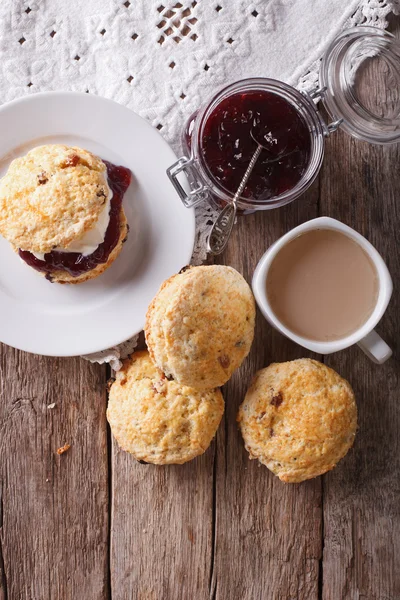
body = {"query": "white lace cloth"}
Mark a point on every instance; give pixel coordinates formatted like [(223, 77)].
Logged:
[(165, 58)]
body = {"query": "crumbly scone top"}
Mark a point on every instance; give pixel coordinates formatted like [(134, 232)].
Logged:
[(200, 326), (51, 196), (299, 418), (157, 420)]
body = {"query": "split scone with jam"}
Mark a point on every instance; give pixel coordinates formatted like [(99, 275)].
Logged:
[(61, 210), (200, 325), (160, 421), (299, 418)]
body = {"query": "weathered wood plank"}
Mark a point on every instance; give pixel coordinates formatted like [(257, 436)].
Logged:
[(161, 529), (360, 185), (267, 534), (53, 509)]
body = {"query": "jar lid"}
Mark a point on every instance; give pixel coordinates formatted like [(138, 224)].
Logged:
[(360, 84)]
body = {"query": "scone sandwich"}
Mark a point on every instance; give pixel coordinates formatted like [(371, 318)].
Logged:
[(61, 210)]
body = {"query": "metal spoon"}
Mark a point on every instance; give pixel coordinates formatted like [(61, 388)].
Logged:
[(222, 227)]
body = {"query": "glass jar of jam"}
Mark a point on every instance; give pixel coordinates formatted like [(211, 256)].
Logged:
[(284, 124)]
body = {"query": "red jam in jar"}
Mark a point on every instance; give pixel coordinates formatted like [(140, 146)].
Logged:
[(234, 129), (74, 263)]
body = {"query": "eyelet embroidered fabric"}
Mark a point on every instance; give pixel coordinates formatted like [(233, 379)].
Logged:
[(164, 59)]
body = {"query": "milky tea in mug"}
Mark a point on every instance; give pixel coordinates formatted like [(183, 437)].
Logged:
[(322, 285)]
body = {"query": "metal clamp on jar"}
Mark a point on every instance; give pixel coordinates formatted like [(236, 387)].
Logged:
[(259, 143)]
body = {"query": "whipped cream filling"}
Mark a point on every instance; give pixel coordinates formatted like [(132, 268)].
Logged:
[(92, 239)]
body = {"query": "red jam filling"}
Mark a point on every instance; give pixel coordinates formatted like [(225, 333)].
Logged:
[(74, 263), (228, 144)]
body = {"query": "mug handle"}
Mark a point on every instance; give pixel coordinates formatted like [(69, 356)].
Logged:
[(375, 348)]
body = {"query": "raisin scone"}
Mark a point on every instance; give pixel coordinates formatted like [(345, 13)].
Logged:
[(200, 325), (160, 421), (299, 418)]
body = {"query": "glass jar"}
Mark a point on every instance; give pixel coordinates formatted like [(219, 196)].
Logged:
[(344, 67)]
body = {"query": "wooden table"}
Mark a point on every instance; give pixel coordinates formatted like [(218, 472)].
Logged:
[(94, 524)]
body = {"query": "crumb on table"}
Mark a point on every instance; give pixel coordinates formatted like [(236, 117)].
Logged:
[(63, 448)]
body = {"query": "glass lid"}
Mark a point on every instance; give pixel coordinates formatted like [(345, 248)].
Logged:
[(353, 64)]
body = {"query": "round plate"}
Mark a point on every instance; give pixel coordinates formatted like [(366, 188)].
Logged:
[(68, 320)]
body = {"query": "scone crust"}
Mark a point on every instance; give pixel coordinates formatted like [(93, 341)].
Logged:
[(160, 421), (200, 326), (298, 418), (51, 196), (65, 277)]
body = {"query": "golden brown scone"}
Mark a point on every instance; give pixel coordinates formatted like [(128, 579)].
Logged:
[(160, 421), (299, 418), (51, 197), (65, 277), (200, 326)]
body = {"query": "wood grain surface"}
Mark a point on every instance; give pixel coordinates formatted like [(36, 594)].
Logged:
[(93, 524), (53, 508), (362, 497), (360, 185)]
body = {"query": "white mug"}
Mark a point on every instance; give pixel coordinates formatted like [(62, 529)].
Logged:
[(368, 340)]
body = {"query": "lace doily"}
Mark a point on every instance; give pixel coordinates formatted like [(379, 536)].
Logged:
[(164, 58)]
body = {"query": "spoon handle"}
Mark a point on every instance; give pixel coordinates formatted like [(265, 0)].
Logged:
[(247, 174), (222, 229)]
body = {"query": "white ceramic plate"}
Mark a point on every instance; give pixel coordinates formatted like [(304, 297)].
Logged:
[(68, 320)]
